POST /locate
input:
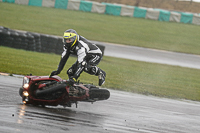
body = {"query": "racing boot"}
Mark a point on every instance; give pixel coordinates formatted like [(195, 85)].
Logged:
[(102, 76)]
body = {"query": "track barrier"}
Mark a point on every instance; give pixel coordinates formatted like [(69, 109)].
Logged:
[(114, 9), (33, 41)]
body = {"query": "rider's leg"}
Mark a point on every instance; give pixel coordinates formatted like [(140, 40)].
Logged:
[(92, 69)]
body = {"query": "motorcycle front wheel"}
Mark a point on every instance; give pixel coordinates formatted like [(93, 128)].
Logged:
[(21, 91)]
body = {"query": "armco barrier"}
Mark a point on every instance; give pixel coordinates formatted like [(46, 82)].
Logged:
[(98, 7), (73, 5), (113, 9), (140, 12), (152, 14), (196, 19), (33, 41), (186, 18), (35, 2), (22, 2), (127, 11), (48, 3), (62, 4), (164, 15), (85, 6), (175, 17)]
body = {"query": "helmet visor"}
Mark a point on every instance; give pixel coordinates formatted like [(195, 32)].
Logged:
[(69, 39)]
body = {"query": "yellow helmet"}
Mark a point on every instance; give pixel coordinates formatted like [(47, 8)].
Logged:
[(72, 35)]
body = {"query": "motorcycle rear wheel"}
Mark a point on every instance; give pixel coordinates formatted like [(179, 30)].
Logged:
[(98, 94)]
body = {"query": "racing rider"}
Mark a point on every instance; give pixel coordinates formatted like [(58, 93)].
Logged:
[(89, 56)]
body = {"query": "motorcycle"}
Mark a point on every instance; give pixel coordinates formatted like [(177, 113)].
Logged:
[(54, 91)]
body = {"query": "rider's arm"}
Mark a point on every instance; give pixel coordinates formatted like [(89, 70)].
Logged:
[(81, 53), (64, 58)]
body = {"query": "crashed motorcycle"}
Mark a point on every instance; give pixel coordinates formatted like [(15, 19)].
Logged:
[(54, 91)]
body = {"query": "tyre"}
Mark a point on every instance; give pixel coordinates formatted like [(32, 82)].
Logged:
[(59, 46), (99, 94), (44, 44), (31, 42), (21, 91), (37, 41)]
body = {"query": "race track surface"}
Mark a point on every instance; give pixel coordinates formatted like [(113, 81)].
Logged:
[(151, 55), (122, 113)]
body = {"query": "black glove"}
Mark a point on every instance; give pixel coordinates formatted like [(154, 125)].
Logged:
[(54, 73), (71, 81)]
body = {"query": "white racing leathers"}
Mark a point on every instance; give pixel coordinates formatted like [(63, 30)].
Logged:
[(89, 56)]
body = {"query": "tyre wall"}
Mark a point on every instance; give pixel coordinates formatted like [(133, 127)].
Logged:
[(33, 41)]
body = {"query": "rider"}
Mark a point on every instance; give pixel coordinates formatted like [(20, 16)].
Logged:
[(89, 56)]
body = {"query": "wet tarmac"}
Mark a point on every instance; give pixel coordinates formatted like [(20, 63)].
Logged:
[(123, 113), (151, 55)]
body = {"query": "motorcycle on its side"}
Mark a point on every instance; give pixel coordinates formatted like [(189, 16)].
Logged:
[(54, 91)]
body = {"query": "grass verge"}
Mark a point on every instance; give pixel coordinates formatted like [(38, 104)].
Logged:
[(99, 27), (127, 75)]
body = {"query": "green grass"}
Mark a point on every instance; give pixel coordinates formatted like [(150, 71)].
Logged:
[(100, 27), (138, 77), (127, 75)]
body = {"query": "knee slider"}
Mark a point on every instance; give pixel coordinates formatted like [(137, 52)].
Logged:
[(92, 70), (70, 71)]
